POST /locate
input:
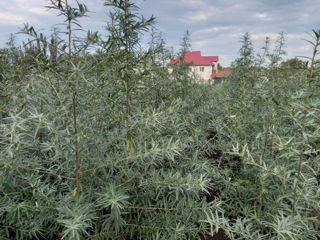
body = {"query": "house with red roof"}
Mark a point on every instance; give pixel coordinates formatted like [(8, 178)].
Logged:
[(205, 67)]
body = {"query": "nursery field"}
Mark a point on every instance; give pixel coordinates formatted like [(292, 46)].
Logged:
[(112, 145)]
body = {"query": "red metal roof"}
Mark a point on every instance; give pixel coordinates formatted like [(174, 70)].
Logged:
[(221, 73), (194, 58), (225, 71)]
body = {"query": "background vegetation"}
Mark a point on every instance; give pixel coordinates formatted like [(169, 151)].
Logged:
[(110, 145)]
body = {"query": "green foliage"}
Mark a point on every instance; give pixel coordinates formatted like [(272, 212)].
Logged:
[(272, 123), (76, 219), (188, 160)]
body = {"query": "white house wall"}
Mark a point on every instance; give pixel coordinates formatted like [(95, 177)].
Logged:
[(205, 75), (195, 70)]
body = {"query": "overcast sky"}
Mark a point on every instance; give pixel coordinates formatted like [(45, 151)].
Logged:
[(215, 25)]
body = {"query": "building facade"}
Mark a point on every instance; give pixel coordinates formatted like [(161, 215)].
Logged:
[(204, 67)]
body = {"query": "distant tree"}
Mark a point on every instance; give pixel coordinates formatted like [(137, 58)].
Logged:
[(125, 30), (186, 42), (261, 58), (246, 52), (293, 63), (277, 55), (157, 46), (183, 70)]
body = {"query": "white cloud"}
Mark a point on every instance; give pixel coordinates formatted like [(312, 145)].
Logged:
[(23, 4), (262, 36), (274, 36), (227, 38), (262, 16), (5, 5), (7, 18), (297, 36), (191, 3), (17, 12), (200, 44), (198, 17), (214, 29), (304, 48), (40, 11), (225, 60)]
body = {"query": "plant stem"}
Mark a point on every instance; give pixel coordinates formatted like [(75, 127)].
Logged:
[(127, 49), (74, 108)]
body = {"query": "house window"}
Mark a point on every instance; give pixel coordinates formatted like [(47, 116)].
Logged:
[(201, 69)]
